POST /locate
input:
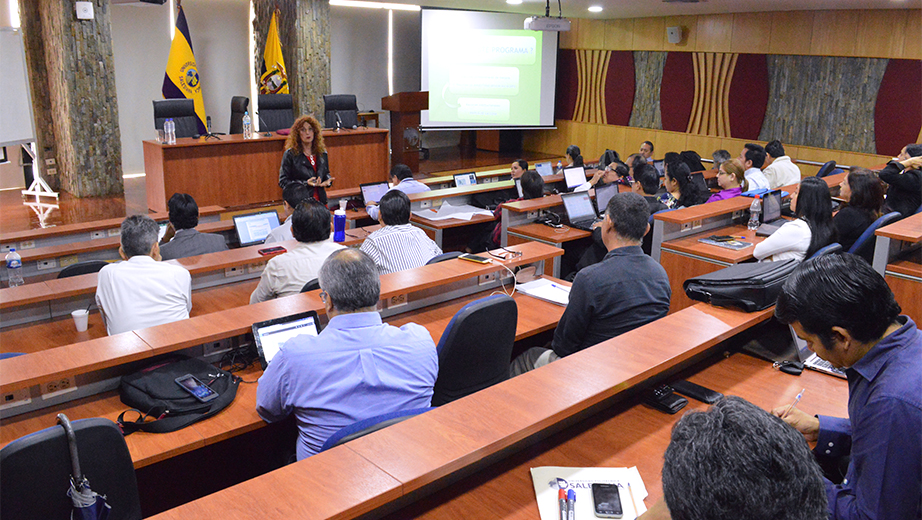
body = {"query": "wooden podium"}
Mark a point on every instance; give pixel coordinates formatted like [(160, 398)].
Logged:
[(405, 139)]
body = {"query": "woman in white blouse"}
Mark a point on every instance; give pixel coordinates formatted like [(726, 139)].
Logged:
[(809, 232)]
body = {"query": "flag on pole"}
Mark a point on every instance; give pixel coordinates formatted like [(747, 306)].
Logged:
[(273, 79), (181, 79)]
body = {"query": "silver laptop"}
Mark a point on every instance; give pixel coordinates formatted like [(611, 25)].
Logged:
[(771, 214), (544, 169), (465, 179), (603, 195), (580, 211), (272, 334), (811, 360)]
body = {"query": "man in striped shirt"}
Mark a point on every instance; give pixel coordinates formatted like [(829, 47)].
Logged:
[(398, 245)]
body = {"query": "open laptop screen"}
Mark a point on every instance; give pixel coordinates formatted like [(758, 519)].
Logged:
[(465, 179), (771, 206), (603, 195), (253, 229), (272, 334), (373, 191), (574, 176), (578, 206), (544, 169)]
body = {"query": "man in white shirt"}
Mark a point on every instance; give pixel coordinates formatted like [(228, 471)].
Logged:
[(294, 194), (779, 170), (401, 179), (753, 157), (399, 245), (287, 273), (142, 291)]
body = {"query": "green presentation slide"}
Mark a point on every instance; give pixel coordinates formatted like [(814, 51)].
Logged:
[(486, 77)]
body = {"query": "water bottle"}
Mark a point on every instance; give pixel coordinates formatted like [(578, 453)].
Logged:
[(170, 127), (247, 126), (14, 266), (339, 225), (755, 210)]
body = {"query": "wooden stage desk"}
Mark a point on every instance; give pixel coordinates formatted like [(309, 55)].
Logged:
[(234, 171)]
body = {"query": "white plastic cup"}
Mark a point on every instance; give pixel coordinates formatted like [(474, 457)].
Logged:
[(342, 204), (81, 317)]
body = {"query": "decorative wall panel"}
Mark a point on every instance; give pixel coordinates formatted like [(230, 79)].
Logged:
[(592, 69), (749, 94), (648, 70), (898, 112)]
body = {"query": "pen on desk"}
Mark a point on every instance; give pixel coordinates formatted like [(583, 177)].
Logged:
[(571, 504), (630, 491), (561, 287), (562, 501), (796, 400)]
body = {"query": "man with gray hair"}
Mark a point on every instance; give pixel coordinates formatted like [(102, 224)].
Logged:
[(357, 368), (142, 291)]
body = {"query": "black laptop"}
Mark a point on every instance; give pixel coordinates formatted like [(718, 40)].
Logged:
[(580, 211), (465, 179), (253, 228), (272, 334), (373, 191), (771, 214)]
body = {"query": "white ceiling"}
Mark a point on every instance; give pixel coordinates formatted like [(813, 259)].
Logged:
[(645, 8)]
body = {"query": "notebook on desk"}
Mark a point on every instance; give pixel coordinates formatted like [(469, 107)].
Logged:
[(272, 334), (253, 228), (580, 211), (811, 360)]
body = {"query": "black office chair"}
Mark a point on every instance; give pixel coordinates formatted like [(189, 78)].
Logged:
[(312, 285), (832, 248), (275, 111), (370, 425), (444, 256), (90, 266), (239, 105), (182, 111), (864, 246), (476, 347), (826, 169), (38, 468), (344, 105)]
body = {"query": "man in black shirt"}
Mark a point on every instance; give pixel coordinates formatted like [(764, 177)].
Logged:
[(625, 290)]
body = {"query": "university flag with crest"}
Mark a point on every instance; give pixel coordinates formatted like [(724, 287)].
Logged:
[(181, 79), (273, 79)]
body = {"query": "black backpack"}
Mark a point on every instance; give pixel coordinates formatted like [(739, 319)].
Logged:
[(154, 394)]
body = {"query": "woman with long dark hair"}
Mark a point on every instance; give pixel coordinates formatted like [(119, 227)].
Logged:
[(681, 192), (809, 232), (573, 158), (864, 195), (305, 158)]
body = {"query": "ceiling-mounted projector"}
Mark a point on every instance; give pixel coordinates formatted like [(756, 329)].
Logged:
[(547, 23)]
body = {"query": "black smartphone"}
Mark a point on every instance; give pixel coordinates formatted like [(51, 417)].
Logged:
[(722, 238), (606, 501), (271, 250), (474, 258), (198, 389)]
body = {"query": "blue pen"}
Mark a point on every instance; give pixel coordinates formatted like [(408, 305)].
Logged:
[(571, 504)]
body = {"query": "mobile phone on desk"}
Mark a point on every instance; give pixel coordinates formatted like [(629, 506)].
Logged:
[(606, 501), (272, 250), (198, 389), (475, 258)]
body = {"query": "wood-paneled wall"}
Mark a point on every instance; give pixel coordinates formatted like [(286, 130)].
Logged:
[(593, 139), (868, 33)]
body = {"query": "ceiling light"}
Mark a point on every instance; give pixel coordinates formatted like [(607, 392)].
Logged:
[(513, 2), (595, 9), (374, 5)]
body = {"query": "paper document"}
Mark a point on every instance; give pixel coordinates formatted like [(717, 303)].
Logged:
[(546, 290), (447, 211), (548, 479)]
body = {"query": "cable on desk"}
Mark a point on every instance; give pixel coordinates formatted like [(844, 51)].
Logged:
[(238, 360)]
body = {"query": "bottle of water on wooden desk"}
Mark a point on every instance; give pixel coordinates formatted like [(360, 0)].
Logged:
[(14, 268), (247, 126), (755, 212)]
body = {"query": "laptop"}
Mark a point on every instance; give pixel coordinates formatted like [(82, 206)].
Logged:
[(575, 176), (253, 228), (771, 214), (272, 334), (465, 179), (603, 195), (544, 169), (373, 191), (580, 211), (811, 360)]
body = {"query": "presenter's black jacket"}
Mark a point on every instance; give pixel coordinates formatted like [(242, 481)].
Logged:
[(297, 167)]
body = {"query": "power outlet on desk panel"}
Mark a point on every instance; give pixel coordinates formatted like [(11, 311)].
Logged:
[(114, 232), (233, 271), (51, 263), (97, 234), (17, 398), (737, 214), (216, 347), (687, 226), (65, 261), (255, 268), (426, 204), (58, 386), (27, 244), (397, 301), (487, 278), (532, 215), (696, 224)]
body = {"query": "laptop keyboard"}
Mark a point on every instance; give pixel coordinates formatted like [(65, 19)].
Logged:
[(585, 225), (820, 363)]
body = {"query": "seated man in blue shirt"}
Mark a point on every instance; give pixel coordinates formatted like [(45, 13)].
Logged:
[(401, 179), (357, 368), (846, 313), (625, 290)]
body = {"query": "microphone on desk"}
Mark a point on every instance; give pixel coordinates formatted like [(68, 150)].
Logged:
[(339, 120), (261, 123)]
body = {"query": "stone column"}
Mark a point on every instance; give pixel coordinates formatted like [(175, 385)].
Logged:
[(304, 29), (71, 71)]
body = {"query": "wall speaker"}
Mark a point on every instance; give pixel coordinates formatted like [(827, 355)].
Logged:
[(674, 35)]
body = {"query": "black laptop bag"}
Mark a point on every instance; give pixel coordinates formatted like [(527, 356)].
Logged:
[(751, 286)]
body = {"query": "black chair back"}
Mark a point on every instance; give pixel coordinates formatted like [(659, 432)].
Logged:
[(312, 285), (90, 266), (370, 425), (343, 104), (832, 248), (476, 348), (826, 169), (239, 105), (275, 112), (864, 246), (37, 470), (444, 256), (181, 111)]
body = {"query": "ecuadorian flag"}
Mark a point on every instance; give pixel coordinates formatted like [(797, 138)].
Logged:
[(273, 79), (181, 79)]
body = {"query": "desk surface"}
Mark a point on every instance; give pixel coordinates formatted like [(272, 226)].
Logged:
[(549, 234), (908, 229), (690, 245)]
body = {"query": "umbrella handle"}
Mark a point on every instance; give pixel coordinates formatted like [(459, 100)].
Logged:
[(77, 476)]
